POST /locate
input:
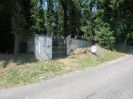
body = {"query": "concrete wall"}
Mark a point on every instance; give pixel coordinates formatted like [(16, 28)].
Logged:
[(41, 46), (30, 46), (72, 44)]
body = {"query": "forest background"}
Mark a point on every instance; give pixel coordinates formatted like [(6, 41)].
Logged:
[(107, 22)]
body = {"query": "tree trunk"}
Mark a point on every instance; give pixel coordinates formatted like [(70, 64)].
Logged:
[(64, 5), (17, 44)]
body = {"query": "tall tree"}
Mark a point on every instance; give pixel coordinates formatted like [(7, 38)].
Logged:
[(103, 32), (20, 23), (6, 37), (58, 18), (37, 16), (17, 21), (87, 19), (65, 10), (127, 10)]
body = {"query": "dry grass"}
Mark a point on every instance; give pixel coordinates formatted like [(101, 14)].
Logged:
[(78, 59), (17, 70)]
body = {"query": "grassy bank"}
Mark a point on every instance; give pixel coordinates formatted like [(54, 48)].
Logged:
[(17, 70)]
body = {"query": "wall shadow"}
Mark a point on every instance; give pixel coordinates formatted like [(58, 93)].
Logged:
[(128, 49), (20, 59)]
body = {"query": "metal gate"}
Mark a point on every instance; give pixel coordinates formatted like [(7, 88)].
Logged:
[(59, 48)]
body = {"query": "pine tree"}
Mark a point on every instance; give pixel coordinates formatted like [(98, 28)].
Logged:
[(18, 22), (38, 19), (87, 20)]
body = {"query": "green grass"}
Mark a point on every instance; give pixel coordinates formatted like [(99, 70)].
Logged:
[(17, 70), (103, 55), (23, 69)]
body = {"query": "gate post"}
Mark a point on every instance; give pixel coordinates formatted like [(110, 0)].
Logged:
[(49, 47)]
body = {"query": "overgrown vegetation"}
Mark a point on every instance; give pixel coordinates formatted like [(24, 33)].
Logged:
[(17, 70)]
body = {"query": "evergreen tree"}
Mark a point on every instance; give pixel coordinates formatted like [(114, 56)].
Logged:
[(103, 33), (18, 22), (6, 37), (64, 4), (74, 18), (87, 20), (58, 16), (110, 23), (21, 23), (38, 19), (127, 11)]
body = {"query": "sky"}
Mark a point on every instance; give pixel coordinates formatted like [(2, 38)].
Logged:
[(45, 5), (94, 8)]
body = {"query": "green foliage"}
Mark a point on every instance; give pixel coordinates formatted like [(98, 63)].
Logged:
[(105, 38), (51, 18), (117, 15), (19, 27), (104, 34), (18, 24), (70, 17), (87, 20), (87, 30), (58, 28), (37, 15)]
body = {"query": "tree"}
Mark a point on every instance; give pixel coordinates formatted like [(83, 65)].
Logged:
[(6, 37), (107, 21), (65, 10), (87, 20), (58, 18), (103, 32), (38, 19), (17, 21), (20, 23), (127, 10)]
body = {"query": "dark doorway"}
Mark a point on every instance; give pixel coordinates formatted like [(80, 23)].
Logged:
[(59, 48)]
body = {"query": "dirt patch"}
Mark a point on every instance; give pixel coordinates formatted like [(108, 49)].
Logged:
[(68, 63), (80, 51)]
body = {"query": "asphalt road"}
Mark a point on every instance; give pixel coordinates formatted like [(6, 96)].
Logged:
[(113, 80)]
